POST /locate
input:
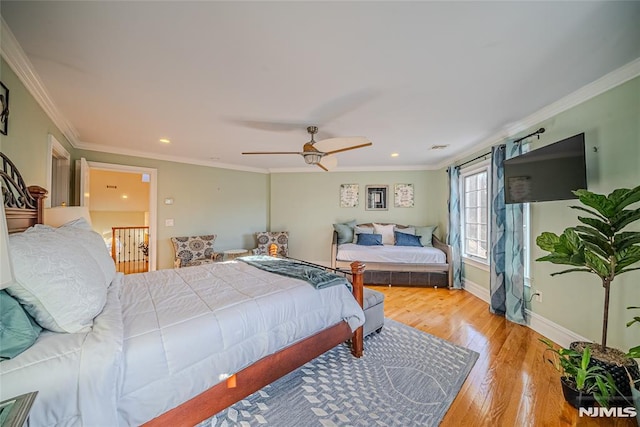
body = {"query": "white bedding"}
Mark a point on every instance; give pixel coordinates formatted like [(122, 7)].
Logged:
[(391, 254), (166, 336)]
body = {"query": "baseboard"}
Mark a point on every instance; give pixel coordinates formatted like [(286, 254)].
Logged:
[(545, 327)]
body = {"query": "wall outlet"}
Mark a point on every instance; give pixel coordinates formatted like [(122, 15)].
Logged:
[(538, 295)]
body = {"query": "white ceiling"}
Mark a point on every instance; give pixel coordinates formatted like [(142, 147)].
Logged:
[(219, 78)]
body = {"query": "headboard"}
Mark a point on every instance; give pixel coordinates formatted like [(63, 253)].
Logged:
[(24, 206)]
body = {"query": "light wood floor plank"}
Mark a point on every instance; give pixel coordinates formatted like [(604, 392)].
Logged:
[(510, 384)]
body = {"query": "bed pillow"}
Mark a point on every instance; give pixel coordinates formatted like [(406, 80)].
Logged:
[(345, 231), (369, 240), (361, 230), (426, 234), (80, 230), (403, 239), (405, 230), (56, 280), (18, 331), (386, 231)]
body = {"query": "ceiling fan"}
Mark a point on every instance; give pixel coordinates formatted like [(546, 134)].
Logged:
[(323, 159)]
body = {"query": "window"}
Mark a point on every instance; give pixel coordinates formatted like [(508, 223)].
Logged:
[(474, 207)]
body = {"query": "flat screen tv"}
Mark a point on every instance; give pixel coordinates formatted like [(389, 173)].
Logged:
[(548, 173)]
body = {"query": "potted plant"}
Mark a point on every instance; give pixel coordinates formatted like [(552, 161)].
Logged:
[(599, 246), (582, 382), (634, 385)]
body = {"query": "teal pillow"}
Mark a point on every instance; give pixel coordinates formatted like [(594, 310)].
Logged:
[(426, 234), (345, 231), (18, 331), (403, 239)]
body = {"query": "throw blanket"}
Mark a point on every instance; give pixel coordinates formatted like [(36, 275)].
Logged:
[(316, 277)]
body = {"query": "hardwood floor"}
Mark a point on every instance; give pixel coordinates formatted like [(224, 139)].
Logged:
[(510, 384)]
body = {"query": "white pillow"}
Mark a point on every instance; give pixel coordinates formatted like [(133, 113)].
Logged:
[(80, 231), (361, 230), (386, 231), (56, 280), (405, 230)]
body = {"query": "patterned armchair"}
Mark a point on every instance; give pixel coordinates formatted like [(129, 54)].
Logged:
[(266, 238), (194, 250)]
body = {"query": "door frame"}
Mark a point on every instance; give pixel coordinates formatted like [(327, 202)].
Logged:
[(153, 200)]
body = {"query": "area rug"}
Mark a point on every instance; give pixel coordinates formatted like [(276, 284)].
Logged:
[(406, 378)]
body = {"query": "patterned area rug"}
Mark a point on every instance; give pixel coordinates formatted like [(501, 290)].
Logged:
[(406, 378)]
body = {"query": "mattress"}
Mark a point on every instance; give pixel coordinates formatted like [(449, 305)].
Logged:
[(391, 254), (188, 329)]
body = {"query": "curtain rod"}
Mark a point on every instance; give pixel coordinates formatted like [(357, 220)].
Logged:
[(538, 132)]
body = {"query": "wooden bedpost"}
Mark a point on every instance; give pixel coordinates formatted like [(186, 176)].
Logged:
[(273, 249), (357, 342), (39, 194)]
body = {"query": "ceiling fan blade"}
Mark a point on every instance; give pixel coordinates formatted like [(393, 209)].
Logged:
[(328, 163), (272, 152), (322, 167), (342, 105), (331, 144), (348, 148)]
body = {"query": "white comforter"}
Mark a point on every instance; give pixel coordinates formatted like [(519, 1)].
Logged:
[(165, 337), (391, 254)]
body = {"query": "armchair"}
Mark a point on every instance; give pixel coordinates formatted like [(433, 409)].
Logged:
[(194, 250), (266, 238)]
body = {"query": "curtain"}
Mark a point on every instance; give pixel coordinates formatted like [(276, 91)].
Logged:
[(507, 263), (453, 239)]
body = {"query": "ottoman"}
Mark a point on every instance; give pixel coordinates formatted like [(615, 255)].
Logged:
[(373, 306)]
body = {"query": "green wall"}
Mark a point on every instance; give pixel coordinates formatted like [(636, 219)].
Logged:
[(307, 204), (611, 123), (231, 204), (29, 126)]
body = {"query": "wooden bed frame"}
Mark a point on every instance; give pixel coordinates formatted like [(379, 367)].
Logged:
[(24, 208)]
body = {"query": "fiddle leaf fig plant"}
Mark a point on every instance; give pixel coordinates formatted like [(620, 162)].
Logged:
[(598, 245)]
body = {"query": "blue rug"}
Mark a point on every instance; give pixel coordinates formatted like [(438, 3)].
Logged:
[(406, 378)]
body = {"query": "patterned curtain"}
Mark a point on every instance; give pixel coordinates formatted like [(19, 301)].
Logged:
[(507, 263), (453, 239)]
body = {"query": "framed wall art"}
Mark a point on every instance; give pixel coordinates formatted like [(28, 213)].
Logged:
[(4, 109), (349, 195), (376, 197), (403, 196)]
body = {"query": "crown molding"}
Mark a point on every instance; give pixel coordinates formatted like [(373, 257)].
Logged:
[(607, 82), (164, 157), (12, 52)]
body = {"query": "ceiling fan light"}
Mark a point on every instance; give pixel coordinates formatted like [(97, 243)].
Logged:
[(312, 158)]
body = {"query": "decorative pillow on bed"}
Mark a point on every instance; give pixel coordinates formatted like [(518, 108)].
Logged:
[(405, 230), (345, 231), (386, 231), (80, 230), (369, 239), (403, 239), (56, 280), (426, 233), (18, 331), (361, 230)]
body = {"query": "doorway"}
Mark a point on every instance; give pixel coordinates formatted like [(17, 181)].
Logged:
[(122, 202)]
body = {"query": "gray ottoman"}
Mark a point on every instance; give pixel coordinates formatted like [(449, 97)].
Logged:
[(373, 305)]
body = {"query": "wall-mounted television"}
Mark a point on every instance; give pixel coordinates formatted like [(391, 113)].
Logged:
[(548, 173)]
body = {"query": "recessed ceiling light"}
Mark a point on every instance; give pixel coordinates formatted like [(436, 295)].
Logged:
[(165, 140), (394, 154)]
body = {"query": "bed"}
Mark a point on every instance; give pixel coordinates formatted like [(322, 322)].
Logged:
[(400, 264), (170, 347)]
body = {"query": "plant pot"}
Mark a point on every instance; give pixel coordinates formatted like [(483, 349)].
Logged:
[(636, 402), (576, 398), (613, 361)]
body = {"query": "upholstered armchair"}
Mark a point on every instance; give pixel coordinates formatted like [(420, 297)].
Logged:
[(194, 250), (266, 238)]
